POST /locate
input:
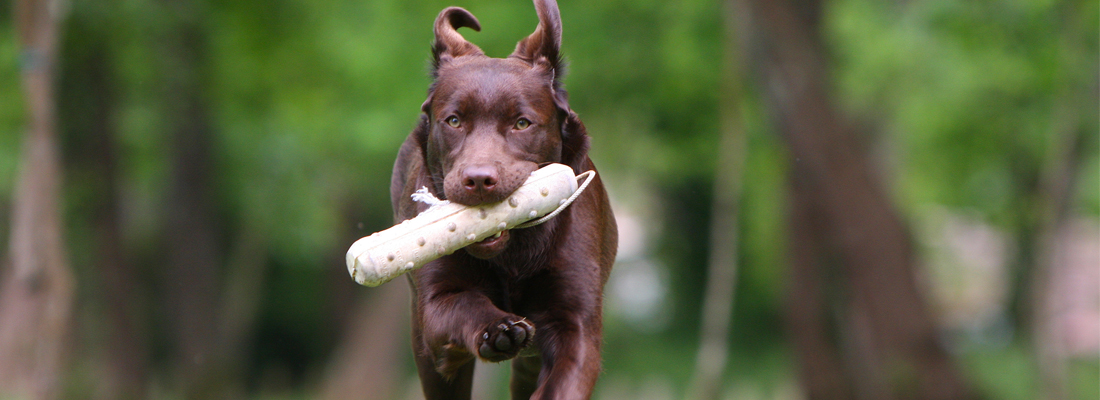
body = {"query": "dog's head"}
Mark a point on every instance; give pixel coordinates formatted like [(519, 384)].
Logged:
[(489, 122)]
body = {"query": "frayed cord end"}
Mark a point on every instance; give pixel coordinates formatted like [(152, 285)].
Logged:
[(422, 195)]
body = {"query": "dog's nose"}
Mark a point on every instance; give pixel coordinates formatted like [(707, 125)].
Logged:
[(479, 178)]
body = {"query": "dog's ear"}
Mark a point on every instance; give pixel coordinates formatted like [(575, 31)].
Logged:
[(449, 44), (543, 49), (544, 45)]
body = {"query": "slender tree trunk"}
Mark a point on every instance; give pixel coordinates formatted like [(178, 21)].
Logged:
[(243, 298), (373, 328), (1056, 189), (36, 292), (127, 362), (364, 365), (194, 259), (1073, 138), (889, 329), (721, 289), (93, 130)]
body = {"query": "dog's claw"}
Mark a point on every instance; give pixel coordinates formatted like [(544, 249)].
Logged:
[(504, 340)]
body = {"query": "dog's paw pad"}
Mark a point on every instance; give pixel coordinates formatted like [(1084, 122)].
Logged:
[(505, 338)]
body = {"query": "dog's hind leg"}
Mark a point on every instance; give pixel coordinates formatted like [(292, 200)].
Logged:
[(457, 385), (525, 375), (438, 387)]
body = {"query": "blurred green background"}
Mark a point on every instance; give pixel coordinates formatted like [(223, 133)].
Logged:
[(292, 112)]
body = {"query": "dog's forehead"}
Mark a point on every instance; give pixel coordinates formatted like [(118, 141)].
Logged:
[(476, 66), (491, 80)]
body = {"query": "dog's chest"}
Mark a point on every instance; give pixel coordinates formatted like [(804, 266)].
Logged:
[(520, 289)]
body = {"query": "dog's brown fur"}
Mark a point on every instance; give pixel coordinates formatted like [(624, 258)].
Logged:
[(534, 295)]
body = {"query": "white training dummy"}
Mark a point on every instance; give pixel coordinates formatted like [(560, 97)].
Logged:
[(446, 227)]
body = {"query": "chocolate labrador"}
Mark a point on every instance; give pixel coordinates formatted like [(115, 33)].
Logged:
[(532, 295)]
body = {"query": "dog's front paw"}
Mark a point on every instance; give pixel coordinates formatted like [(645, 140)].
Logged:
[(504, 339)]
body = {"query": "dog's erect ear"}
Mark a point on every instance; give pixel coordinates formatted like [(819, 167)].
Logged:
[(544, 44), (543, 49), (449, 44)]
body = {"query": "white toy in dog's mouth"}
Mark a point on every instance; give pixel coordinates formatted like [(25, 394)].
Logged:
[(446, 227)]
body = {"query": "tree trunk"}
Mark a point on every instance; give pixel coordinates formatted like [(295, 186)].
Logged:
[(92, 131), (722, 271), (1056, 189), (364, 365), (888, 329), (240, 309), (808, 309), (372, 324), (36, 292), (194, 259)]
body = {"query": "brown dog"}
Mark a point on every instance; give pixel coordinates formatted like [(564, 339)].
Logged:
[(531, 294)]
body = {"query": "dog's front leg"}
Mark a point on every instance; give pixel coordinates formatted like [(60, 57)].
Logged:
[(457, 320), (458, 326)]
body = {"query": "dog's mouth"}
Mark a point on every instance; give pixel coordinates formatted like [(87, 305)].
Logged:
[(489, 247)]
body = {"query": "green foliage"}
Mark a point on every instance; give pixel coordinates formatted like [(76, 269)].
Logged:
[(12, 112), (975, 96), (967, 103)]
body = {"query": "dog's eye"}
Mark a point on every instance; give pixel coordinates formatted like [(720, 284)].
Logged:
[(522, 124), (452, 121)]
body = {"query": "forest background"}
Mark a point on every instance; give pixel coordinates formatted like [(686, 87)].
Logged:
[(817, 199)]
